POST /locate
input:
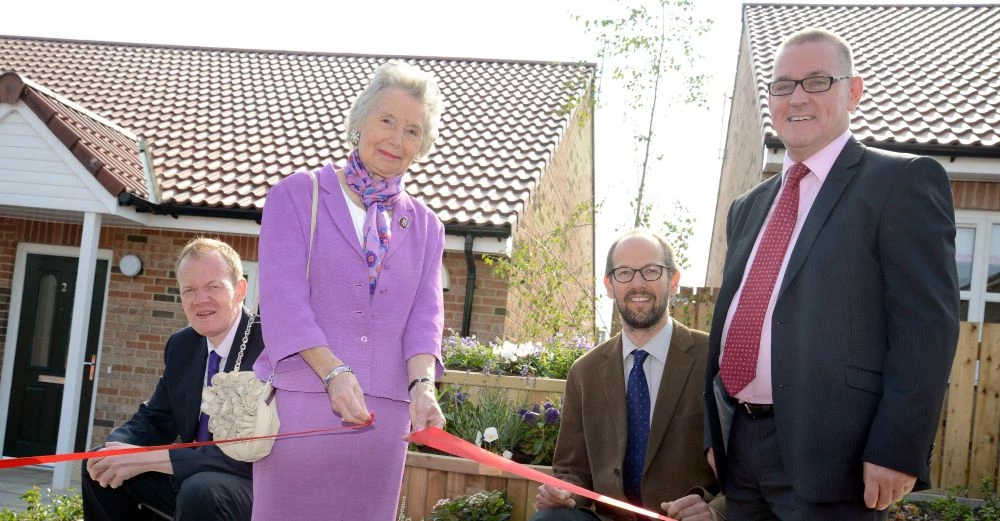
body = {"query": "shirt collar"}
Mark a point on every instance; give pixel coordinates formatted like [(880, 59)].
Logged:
[(656, 347), (821, 162), (227, 343)]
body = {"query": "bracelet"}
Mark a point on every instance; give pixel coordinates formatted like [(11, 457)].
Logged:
[(415, 381), (334, 372)]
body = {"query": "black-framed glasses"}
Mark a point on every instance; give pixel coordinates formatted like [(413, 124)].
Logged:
[(812, 85), (649, 272)]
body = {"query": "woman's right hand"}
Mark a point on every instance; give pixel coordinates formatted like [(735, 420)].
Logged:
[(347, 399)]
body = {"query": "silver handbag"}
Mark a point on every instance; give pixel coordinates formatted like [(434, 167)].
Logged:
[(239, 405)]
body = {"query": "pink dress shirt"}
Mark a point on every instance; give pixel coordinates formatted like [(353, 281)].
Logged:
[(759, 389)]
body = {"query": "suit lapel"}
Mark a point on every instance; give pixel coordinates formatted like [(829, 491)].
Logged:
[(192, 381), (612, 381), (675, 375), (841, 174), (234, 349), (333, 203), (401, 223)]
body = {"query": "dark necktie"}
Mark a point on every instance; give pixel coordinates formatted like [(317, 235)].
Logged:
[(213, 369), (739, 360), (637, 401)]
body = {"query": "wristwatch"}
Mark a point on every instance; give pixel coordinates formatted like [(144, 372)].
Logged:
[(416, 381), (336, 371)]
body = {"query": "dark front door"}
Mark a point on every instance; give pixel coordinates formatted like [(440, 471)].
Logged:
[(40, 356)]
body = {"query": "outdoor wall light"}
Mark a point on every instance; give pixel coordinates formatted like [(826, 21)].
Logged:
[(130, 265)]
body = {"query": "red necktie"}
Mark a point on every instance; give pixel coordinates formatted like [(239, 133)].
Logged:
[(739, 360)]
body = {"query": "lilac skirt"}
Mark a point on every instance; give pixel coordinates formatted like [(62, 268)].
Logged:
[(349, 475)]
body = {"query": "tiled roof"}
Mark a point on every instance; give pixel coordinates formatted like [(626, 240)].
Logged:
[(931, 72), (224, 125), (110, 153)]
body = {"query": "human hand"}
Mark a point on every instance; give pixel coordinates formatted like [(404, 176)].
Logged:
[(688, 508), (347, 399), (112, 471), (424, 408), (553, 497), (884, 486)]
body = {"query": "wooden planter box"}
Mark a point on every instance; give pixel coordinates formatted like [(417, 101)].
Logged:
[(430, 477), (528, 390)]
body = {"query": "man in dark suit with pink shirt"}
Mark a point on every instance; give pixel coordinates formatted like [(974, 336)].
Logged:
[(837, 319)]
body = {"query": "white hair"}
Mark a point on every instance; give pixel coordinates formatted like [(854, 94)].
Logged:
[(410, 79)]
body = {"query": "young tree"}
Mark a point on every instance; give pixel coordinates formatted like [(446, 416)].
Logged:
[(551, 299), (646, 54)]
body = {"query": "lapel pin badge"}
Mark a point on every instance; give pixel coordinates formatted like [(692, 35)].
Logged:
[(403, 222)]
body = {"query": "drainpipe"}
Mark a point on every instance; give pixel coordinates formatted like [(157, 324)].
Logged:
[(471, 232), (470, 285)]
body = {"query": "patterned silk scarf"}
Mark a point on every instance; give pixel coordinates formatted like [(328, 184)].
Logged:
[(378, 196)]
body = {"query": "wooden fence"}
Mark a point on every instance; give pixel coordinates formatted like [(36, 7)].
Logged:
[(693, 307), (966, 445)]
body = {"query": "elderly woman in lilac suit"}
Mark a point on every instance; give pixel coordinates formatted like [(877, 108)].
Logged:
[(361, 333)]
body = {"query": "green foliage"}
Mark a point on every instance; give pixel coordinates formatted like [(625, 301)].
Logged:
[(57, 508), (489, 505), (491, 421), (550, 358), (543, 284), (951, 509), (677, 227), (501, 425), (540, 442)]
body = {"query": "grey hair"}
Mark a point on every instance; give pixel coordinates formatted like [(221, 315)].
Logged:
[(414, 81), (813, 34), (668, 252)]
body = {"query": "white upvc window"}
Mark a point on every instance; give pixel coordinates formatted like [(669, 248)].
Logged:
[(253, 285), (977, 253)]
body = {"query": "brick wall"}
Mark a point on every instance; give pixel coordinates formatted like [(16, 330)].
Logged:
[(568, 182), (742, 162), (488, 303)]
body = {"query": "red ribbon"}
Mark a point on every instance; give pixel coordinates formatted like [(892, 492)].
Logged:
[(441, 440), (432, 437), (59, 458)]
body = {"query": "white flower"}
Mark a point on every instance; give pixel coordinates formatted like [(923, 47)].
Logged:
[(526, 350), (490, 434), (508, 454), (479, 438), (507, 351)]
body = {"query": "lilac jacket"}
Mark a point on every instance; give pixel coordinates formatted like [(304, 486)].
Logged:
[(332, 308)]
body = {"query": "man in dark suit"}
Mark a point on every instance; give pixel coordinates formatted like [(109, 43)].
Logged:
[(617, 438), (193, 483), (837, 319)]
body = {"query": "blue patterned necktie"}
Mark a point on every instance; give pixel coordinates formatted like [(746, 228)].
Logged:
[(213, 369), (637, 401)]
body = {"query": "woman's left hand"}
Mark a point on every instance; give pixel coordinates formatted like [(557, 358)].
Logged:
[(424, 409)]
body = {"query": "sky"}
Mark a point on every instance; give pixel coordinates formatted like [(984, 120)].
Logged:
[(689, 139)]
